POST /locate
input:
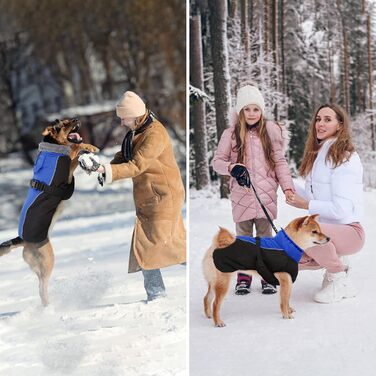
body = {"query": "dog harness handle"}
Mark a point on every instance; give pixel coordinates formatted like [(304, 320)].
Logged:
[(262, 269), (51, 190)]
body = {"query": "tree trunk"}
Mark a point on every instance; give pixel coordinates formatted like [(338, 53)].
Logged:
[(221, 75), (275, 52), (266, 26), (370, 83), (245, 27), (332, 93), (345, 76), (283, 67), (346, 70), (233, 8), (198, 107), (250, 14)]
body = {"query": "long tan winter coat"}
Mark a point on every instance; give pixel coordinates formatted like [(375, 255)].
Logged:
[(159, 233)]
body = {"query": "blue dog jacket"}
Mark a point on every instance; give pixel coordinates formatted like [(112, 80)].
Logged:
[(51, 168), (271, 255)]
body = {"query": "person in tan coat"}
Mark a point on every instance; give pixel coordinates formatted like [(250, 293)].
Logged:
[(147, 157)]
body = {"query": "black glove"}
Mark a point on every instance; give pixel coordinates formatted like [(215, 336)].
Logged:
[(101, 178), (240, 173)]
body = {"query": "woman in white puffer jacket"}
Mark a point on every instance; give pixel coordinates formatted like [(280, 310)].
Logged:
[(334, 190)]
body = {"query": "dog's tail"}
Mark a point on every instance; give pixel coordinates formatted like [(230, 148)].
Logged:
[(7, 246), (222, 239)]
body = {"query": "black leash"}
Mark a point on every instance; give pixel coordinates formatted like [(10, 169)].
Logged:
[(263, 208)]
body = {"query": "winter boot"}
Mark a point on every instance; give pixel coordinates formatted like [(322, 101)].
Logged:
[(153, 284), (267, 288), (337, 287), (345, 261), (243, 284)]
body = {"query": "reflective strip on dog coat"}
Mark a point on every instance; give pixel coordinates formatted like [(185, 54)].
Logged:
[(38, 209), (278, 254)]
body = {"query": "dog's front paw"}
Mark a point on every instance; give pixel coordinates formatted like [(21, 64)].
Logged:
[(91, 148), (287, 315), (219, 324), (291, 310)]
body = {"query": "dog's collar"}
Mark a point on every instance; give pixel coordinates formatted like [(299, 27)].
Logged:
[(53, 148)]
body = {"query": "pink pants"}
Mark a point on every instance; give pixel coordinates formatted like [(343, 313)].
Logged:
[(344, 240)]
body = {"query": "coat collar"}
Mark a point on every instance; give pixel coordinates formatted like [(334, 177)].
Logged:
[(54, 148)]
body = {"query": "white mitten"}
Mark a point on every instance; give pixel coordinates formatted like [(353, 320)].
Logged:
[(89, 162)]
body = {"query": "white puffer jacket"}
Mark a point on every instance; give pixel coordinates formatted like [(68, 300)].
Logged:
[(336, 194)]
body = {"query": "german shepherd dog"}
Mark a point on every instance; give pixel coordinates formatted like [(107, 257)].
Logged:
[(301, 233), (52, 183)]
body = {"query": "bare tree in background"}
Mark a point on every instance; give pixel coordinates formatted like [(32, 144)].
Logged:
[(12, 60), (221, 75), (370, 81), (198, 107), (95, 50)]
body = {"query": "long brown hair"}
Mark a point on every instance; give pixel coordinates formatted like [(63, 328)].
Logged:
[(240, 133), (341, 149)]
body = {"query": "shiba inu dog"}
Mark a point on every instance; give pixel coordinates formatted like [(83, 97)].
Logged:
[(274, 259), (52, 183)]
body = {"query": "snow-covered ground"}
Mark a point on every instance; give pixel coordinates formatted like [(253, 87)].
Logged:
[(98, 322), (324, 340)]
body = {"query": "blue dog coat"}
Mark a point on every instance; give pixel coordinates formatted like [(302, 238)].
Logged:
[(271, 255), (51, 168)]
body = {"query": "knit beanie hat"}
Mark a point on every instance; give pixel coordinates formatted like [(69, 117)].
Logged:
[(130, 105), (249, 95)]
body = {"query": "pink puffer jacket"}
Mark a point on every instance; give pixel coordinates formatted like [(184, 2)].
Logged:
[(244, 203)]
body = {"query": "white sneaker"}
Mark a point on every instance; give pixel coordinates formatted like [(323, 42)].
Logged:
[(337, 287), (345, 261)]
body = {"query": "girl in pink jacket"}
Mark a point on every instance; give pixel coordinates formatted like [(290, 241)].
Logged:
[(257, 144)]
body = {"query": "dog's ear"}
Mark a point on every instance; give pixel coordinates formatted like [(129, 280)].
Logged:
[(306, 220), (310, 218), (299, 222), (50, 130), (313, 217)]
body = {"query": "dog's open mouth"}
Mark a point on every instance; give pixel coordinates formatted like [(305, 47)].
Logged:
[(74, 136)]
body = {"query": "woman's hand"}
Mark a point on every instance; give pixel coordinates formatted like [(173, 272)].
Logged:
[(289, 193), (297, 201), (101, 169)]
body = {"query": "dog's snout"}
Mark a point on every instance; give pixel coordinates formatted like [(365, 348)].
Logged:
[(327, 239)]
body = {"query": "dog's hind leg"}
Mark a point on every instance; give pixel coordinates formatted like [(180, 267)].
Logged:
[(208, 301), (285, 282), (220, 288), (40, 258)]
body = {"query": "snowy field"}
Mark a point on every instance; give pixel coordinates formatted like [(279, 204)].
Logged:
[(324, 340), (98, 322)]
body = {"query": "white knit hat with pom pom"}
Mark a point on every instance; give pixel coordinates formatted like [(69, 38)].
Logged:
[(249, 95)]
